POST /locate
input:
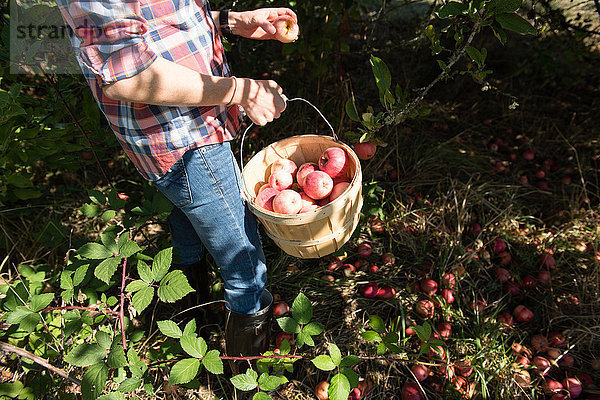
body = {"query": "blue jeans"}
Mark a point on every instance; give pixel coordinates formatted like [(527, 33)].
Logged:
[(211, 215)]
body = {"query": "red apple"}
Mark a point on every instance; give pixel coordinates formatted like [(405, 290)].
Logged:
[(573, 386), (321, 390), (528, 282), (335, 162), (318, 185), (429, 286), (449, 280), (280, 309), (369, 290), (364, 249), (281, 180), (355, 394), (505, 318), (365, 150), (448, 295), (386, 292), (303, 171), (307, 200), (512, 288), (348, 269), (566, 361), (373, 268), (548, 261), (444, 329), (286, 30), (499, 245), (522, 313), (476, 228), (539, 342), (287, 202), (265, 198), (551, 386), (425, 308), (544, 277), (464, 368), (338, 190), (377, 226), (283, 335), (388, 258), (557, 339), (420, 371), (541, 364), (411, 391), (505, 258), (284, 164), (529, 155), (503, 275)]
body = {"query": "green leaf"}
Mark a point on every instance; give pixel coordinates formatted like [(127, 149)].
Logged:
[(339, 387), (142, 299), (323, 362), (371, 336), (193, 345), (85, 354), (93, 381), (24, 317), (170, 329), (106, 269), (27, 194), (452, 9), (377, 323), (244, 382), (162, 263), (314, 328), (212, 362), (288, 324), (184, 371), (351, 110), (267, 382), (302, 310), (500, 34), (423, 331), (109, 240), (350, 361), (136, 285), (129, 248), (96, 197), (190, 328), (129, 385), (94, 251), (474, 54), (103, 339), (145, 272), (514, 22), (112, 396), (41, 301), (261, 396), (304, 338), (504, 6), (351, 375), (285, 347), (173, 286), (114, 200), (383, 77), (336, 354), (80, 274), (90, 210), (116, 356)]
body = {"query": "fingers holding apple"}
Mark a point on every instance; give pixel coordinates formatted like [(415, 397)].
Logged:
[(286, 29)]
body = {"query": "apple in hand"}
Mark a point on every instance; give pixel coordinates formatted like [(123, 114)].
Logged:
[(318, 185), (287, 202), (286, 30), (335, 162)]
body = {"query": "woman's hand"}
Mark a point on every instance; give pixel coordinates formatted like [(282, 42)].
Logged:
[(262, 100), (259, 24)]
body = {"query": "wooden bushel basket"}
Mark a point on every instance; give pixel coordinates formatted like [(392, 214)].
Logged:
[(315, 233)]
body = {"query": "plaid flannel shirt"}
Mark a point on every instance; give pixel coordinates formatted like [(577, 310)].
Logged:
[(116, 39)]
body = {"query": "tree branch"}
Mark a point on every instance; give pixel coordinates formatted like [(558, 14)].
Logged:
[(9, 348)]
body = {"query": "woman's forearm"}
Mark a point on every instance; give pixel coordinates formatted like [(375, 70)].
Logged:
[(170, 84)]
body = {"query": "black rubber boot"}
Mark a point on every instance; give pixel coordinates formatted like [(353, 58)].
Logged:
[(199, 279), (249, 334)]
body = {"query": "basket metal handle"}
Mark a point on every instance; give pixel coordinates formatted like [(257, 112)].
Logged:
[(286, 100)]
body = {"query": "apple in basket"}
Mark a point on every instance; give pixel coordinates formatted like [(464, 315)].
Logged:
[(281, 180), (338, 189), (335, 162), (318, 185), (287, 201), (284, 164), (265, 198), (303, 171)]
